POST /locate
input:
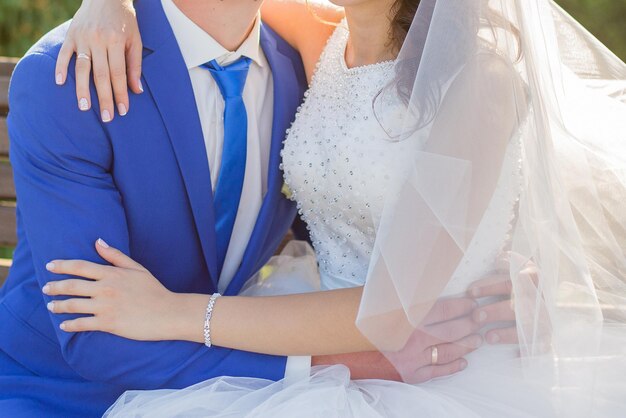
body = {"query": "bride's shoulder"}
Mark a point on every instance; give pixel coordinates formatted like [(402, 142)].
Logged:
[(493, 73), (305, 26), (494, 82), (485, 98)]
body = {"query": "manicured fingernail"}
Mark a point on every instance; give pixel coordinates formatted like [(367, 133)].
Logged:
[(140, 86), (106, 116), (463, 364), (83, 104), (59, 79), (121, 108), (50, 266), (46, 289), (476, 292), (482, 316), (50, 306), (62, 326), (102, 243), (494, 339)]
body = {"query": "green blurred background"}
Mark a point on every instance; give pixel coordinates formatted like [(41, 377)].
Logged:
[(22, 22)]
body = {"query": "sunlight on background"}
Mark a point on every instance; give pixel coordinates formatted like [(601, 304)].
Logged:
[(22, 22)]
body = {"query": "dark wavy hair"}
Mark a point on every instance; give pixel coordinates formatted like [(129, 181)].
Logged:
[(402, 14)]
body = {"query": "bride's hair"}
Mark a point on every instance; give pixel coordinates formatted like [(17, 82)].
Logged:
[(402, 14), (423, 105)]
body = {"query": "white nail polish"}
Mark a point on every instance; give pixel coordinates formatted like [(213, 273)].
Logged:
[(46, 288), (50, 306), (121, 108), (102, 243), (62, 326), (140, 86), (83, 104), (50, 266), (106, 116), (59, 79)]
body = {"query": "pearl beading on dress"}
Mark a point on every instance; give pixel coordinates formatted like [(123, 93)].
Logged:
[(335, 161)]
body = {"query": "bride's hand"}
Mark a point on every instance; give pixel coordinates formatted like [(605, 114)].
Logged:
[(107, 32), (123, 299)]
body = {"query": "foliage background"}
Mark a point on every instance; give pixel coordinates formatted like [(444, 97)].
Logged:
[(22, 22)]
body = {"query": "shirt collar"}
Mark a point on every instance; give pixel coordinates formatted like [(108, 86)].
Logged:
[(198, 47)]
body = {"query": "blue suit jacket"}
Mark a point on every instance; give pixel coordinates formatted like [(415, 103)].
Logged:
[(142, 183)]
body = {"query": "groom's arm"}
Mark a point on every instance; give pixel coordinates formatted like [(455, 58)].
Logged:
[(68, 198)]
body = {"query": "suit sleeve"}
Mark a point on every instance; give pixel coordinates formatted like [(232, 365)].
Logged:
[(67, 196)]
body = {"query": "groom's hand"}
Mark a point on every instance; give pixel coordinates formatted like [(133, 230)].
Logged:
[(435, 349), (499, 287)]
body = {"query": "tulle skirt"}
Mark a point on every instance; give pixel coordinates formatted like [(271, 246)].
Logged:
[(496, 391), (494, 384)]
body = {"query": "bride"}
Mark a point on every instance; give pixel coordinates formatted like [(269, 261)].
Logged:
[(440, 141)]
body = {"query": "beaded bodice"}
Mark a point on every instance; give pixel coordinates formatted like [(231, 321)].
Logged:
[(335, 160)]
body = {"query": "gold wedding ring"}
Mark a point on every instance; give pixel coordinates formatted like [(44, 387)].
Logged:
[(434, 355), (83, 56)]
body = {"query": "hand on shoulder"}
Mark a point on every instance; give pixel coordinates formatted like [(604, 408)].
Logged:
[(105, 37)]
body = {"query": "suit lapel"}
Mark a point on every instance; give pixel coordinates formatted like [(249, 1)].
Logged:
[(285, 103), (168, 81)]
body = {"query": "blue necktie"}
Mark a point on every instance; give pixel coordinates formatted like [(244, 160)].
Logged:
[(231, 80)]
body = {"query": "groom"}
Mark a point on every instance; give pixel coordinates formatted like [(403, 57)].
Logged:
[(143, 183), (151, 184)]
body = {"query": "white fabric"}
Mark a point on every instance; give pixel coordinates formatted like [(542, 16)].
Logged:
[(475, 79), (339, 180), (197, 48), (415, 186), (297, 368)]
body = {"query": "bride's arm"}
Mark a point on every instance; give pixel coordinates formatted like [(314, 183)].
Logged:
[(128, 301), (305, 25)]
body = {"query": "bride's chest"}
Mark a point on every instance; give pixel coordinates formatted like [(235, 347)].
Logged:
[(336, 157)]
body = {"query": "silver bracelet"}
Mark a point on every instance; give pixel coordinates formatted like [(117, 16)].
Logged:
[(207, 319)]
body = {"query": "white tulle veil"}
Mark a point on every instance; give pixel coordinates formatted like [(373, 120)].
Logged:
[(474, 77)]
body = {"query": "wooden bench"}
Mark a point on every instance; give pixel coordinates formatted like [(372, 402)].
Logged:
[(7, 189)]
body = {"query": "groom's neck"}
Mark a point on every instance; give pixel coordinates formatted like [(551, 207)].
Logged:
[(228, 21)]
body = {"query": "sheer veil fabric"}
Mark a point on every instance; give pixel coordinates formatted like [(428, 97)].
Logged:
[(503, 147), (473, 79)]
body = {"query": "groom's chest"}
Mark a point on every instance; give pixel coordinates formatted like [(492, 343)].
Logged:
[(258, 97)]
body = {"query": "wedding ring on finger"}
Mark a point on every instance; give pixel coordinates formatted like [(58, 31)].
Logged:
[(83, 56), (434, 355)]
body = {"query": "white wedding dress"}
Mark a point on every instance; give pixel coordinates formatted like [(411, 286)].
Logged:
[(335, 160)]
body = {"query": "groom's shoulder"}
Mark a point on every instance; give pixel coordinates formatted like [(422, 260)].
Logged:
[(280, 44), (33, 75), (50, 44), (39, 62), (43, 117), (288, 51)]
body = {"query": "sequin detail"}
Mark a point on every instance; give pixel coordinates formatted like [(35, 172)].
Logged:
[(336, 161)]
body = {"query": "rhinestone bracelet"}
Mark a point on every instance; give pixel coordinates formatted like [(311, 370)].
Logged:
[(207, 319)]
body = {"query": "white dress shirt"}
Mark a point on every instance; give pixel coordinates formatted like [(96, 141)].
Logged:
[(197, 48)]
